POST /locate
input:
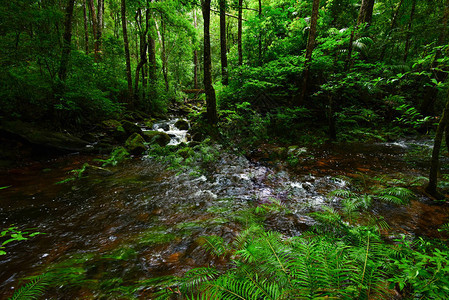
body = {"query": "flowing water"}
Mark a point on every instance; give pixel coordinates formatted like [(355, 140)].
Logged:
[(142, 221)]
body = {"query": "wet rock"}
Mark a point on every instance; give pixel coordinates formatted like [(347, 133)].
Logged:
[(296, 150), (157, 137), (182, 124), (135, 144), (148, 123), (131, 128)]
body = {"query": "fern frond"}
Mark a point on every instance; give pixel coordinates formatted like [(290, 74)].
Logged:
[(33, 289), (215, 245)]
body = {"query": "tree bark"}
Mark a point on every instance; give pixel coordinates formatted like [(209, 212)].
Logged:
[(435, 162), (366, 12), (443, 32), (143, 50), (409, 31), (309, 50), (164, 56), (86, 31), (350, 48), (96, 30), (239, 32), (209, 89), (224, 58), (67, 39), (99, 38), (127, 56)]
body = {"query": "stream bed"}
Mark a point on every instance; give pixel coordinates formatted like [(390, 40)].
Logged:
[(142, 221)]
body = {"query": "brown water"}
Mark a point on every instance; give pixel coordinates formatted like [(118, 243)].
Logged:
[(143, 221)]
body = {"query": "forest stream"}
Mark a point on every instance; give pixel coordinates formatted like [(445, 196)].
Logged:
[(142, 220)]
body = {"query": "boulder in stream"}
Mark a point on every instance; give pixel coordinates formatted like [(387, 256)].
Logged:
[(182, 124), (135, 144), (157, 137), (131, 128)]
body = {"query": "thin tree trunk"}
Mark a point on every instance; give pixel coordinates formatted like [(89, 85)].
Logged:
[(392, 26), (127, 56), (164, 56), (86, 31), (209, 89), (435, 162), (224, 58), (350, 47), (239, 32), (366, 12), (260, 33), (195, 56), (99, 37), (309, 50), (94, 20), (143, 50), (67, 39), (152, 74), (409, 31)]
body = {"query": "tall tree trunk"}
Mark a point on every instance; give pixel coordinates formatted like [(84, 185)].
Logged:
[(143, 50), (392, 26), (435, 162), (164, 56), (86, 31), (443, 32), (100, 14), (95, 29), (260, 33), (409, 31), (366, 12), (152, 74), (67, 39), (195, 56), (209, 89), (239, 32), (127, 56), (309, 50), (224, 58)]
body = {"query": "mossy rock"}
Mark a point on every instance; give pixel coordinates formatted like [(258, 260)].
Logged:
[(131, 128), (111, 124), (120, 134), (182, 124), (157, 137), (148, 123), (135, 144)]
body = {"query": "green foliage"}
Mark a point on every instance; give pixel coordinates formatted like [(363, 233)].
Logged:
[(77, 174), (33, 289), (117, 155), (13, 234)]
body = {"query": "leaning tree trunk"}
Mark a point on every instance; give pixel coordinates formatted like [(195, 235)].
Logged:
[(443, 32), (127, 56), (67, 39), (435, 162), (209, 89), (309, 50), (239, 32), (224, 58)]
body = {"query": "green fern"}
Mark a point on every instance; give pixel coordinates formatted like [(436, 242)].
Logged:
[(33, 289)]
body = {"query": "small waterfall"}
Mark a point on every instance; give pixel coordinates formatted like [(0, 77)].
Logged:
[(177, 135)]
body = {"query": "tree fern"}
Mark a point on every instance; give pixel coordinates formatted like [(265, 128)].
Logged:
[(33, 289)]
